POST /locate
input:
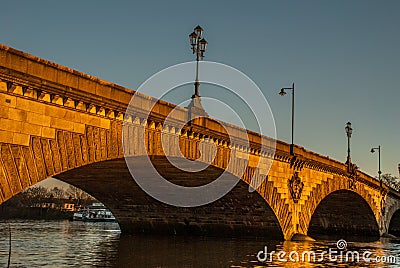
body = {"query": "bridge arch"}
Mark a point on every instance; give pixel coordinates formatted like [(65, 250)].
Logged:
[(394, 224), (345, 213), (392, 216), (87, 161), (339, 184), (239, 213)]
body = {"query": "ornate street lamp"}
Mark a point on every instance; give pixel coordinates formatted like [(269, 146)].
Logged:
[(199, 45), (283, 93), (349, 131), (379, 162)]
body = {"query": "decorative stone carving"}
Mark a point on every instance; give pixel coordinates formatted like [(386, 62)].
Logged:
[(295, 186), (48, 158), (383, 207), (352, 183), (38, 156), (352, 170), (297, 163), (88, 106), (40, 94)]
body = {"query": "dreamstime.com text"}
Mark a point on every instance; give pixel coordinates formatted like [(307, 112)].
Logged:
[(340, 254)]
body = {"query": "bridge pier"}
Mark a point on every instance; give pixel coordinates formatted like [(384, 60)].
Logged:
[(297, 234)]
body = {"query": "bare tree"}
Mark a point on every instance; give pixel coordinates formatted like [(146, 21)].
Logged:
[(57, 193), (35, 194), (391, 181), (81, 197)]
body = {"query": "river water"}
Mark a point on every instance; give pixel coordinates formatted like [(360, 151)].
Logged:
[(79, 244)]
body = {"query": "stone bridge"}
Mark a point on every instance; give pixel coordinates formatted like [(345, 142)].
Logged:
[(58, 122)]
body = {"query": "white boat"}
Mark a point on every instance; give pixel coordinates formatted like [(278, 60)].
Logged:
[(97, 212)]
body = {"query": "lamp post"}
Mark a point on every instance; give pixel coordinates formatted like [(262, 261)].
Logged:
[(379, 162), (349, 131), (199, 45), (283, 93)]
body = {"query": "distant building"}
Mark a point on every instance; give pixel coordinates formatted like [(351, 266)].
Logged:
[(60, 204), (46, 205), (68, 207)]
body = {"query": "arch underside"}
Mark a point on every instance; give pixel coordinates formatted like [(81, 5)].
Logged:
[(343, 213), (238, 213), (394, 225)]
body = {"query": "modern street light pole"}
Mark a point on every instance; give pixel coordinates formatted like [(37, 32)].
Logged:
[(199, 45), (379, 162), (283, 93), (349, 131)]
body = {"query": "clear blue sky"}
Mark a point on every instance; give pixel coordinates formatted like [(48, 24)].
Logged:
[(343, 56)]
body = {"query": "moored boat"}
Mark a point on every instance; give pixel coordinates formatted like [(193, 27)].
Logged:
[(97, 212)]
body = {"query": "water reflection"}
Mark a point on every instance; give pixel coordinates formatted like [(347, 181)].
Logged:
[(148, 251), (79, 244), (59, 244), (328, 253)]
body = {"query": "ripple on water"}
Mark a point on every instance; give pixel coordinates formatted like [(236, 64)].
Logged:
[(79, 244)]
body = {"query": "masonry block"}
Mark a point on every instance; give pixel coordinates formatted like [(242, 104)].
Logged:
[(21, 139), (31, 129), (10, 125), (48, 132), (17, 114), (61, 124), (7, 100), (3, 86), (38, 119), (30, 105), (6, 136)]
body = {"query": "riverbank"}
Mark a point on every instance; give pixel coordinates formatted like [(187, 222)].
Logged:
[(26, 213)]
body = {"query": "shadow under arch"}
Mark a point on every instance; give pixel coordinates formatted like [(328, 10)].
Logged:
[(238, 213), (394, 224), (344, 214)]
